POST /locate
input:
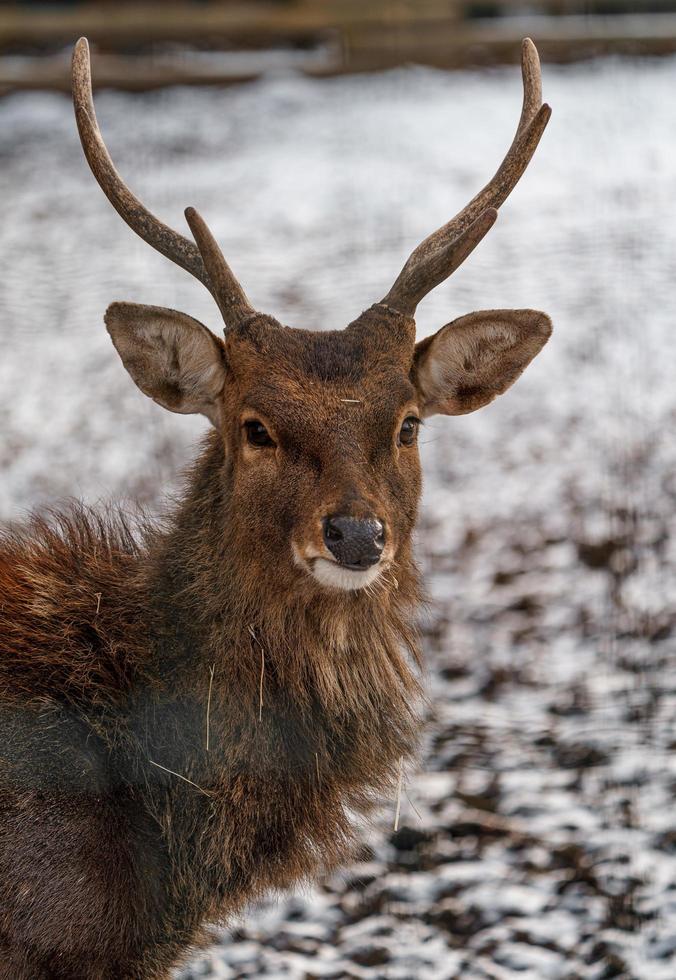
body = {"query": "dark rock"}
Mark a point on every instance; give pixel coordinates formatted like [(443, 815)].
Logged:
[(370, 955), (409, 838)]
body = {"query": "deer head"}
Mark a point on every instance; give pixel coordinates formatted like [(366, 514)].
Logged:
[(320, 427)]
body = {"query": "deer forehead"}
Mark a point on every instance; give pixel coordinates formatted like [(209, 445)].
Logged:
[(364, 348), (302, 374), (303, 405)]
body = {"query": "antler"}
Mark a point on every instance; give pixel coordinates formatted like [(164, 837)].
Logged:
[(205, 262), (439, 255), (227, 292)]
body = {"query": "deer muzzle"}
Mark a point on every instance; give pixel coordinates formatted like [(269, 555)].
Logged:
[(355, 543)]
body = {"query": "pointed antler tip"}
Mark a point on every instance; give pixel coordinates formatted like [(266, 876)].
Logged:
[(196, 223), (484, 222), (81, 76), (81, 61), (224, 287), (529, 54)]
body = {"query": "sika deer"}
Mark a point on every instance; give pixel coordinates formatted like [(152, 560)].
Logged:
[(192, 712)]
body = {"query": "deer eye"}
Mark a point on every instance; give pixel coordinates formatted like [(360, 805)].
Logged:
[(257, 435), (409, 430)]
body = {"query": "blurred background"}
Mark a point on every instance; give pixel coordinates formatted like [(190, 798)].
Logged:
[(150, 43), (322, 139)]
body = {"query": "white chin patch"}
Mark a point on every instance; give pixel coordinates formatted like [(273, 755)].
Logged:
[(332, 575)]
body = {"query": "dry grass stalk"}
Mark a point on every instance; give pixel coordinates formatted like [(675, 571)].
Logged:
[(399, 785), (211, 684), (179, 776), (260, 686), (260, 691)]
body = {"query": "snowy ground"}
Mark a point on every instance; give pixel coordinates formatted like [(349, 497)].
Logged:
[(544, 842)]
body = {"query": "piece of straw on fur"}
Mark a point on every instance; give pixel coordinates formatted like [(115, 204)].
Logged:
[(260, 686), (179, 776), (399, 785), (211, 684), (260, 691)]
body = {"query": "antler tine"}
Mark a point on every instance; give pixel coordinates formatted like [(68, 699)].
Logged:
[(439, 255), (167, 241), (532, 83), (228, 293)]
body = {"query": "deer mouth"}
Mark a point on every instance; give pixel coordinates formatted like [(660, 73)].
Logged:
[(332, 575), (335, 576)]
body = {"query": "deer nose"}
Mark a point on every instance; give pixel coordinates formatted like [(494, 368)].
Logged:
[(355, 543)]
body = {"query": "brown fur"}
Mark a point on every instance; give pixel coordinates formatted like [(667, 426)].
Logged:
[(109, 865), (193, 712), (122, 833)]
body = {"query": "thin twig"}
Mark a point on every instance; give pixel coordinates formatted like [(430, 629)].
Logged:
[(399, 783), (179, 776), (211, 683), (351, 401), (317, 762), (98, 596)]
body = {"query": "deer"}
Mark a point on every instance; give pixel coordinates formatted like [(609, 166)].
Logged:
[(201, 709)]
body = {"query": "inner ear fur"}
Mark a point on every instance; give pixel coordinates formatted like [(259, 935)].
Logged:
[(472, 360), (173, 359)]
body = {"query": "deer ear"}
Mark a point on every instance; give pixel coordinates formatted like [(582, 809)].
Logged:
[(470, 361), (172, 358)]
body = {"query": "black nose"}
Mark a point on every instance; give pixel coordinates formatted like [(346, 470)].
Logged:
[(354, 543)]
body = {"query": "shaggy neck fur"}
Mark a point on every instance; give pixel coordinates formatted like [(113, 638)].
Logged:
[(310, 696), (198, 725)]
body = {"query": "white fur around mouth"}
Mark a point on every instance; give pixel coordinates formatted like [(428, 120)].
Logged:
[(331, 574)]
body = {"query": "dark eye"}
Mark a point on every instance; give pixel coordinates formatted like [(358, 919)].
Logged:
[(409, 431), (257, 435)]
